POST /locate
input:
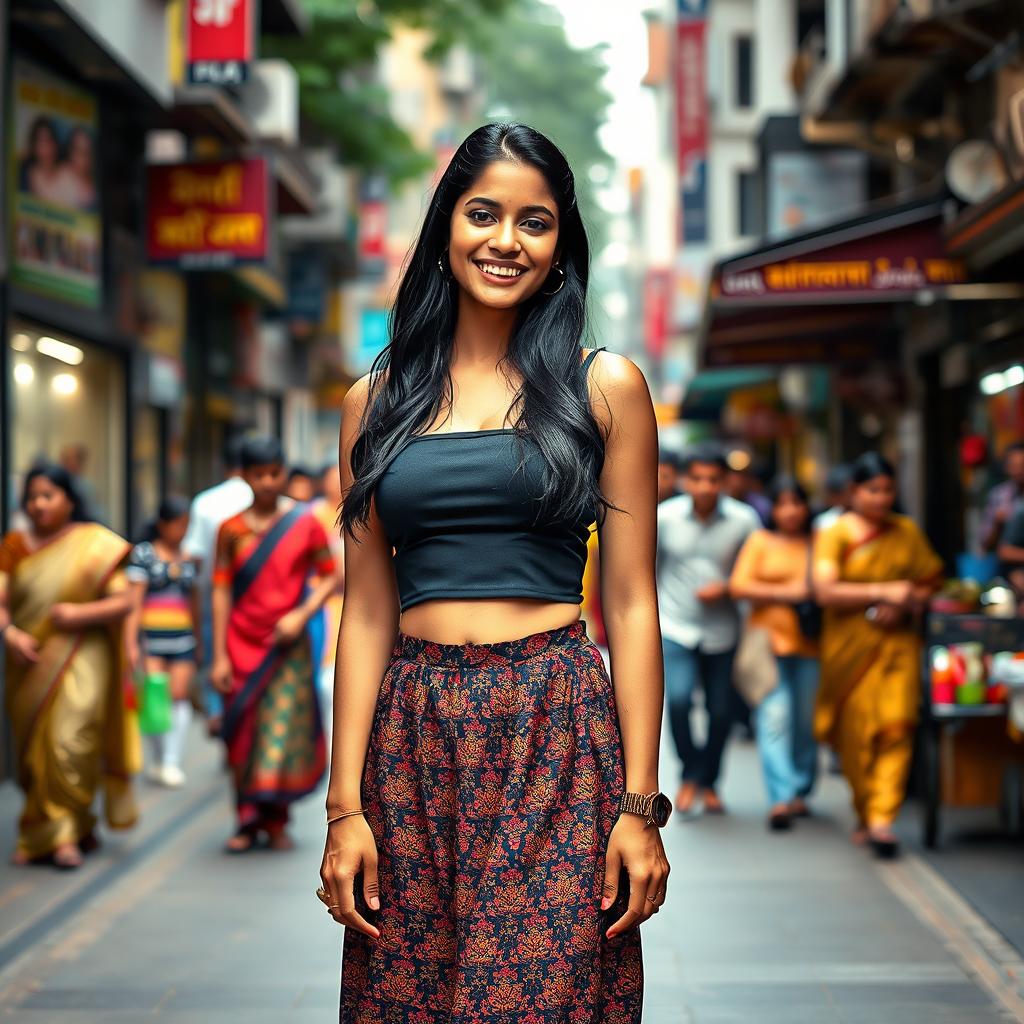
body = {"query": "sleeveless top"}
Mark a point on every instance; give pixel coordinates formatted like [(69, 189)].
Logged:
[(460, 512)]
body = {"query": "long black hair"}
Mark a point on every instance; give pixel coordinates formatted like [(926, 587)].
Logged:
[(786, 484), (870, 465), (62, 478), (410, 380), (174, 506)]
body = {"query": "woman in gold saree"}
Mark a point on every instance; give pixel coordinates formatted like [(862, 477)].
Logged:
[(63, 597), (873, 572)]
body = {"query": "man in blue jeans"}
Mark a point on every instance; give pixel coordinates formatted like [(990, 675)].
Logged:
[(700, 533)]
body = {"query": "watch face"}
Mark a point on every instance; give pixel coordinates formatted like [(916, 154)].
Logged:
[(661, 808)]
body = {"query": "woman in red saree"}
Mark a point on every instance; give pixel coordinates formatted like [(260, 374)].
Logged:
[(262, 655)]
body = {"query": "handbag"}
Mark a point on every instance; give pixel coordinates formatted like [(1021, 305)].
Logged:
[(808, 612), (755, 672), (155, 706)]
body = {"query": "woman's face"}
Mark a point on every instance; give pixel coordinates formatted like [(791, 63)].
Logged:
[(875, 498), (504, 235), (80, 154), (44, 146), (172, 531), (790, 513), (47, 505)]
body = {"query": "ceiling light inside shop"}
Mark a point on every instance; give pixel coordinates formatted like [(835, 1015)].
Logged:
[(60, 350), (738, 460), (64, 383), (994, 383), (21, 343), (24, 374)]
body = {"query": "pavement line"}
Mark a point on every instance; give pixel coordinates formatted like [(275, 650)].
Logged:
[(982, 952), (17, 945)]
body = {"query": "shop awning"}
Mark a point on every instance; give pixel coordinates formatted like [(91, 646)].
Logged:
[(989, 231), (709, 390), (828, 295)]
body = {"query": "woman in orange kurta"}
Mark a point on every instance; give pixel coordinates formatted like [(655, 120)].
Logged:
[(772, 572), (63, 599), (873, 572)]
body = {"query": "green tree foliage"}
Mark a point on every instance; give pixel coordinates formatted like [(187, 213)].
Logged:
[(339, 98)]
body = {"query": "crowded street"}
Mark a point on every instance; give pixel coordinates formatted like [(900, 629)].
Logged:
[(778, 930)]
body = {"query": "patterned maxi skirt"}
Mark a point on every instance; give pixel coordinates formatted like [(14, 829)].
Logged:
[(492, 782)]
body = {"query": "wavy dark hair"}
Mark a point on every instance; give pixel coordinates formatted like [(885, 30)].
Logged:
[(786, 484), (62, 478), (410, 380)]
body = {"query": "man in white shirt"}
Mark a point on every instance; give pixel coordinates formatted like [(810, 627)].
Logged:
[(700, 534), (209, 509)]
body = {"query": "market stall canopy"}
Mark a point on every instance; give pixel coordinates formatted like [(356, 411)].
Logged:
[(991, 230), (708, 391), (828, 295)]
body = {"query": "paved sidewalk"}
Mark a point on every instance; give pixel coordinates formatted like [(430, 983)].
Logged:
[(759, 928)]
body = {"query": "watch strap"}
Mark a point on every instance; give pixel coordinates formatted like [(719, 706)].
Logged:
[(637, 803)]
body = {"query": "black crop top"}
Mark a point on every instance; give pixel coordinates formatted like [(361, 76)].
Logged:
[(460, 513)]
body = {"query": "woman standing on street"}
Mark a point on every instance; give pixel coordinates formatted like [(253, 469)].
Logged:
[(63, 600), (476, 850), (165, 611), (773, 572), (873, 571)]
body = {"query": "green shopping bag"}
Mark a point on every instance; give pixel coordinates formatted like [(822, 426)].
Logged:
[(155, 704)]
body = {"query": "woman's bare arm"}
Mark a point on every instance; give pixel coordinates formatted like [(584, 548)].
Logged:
[(369, 627), (628, 542)]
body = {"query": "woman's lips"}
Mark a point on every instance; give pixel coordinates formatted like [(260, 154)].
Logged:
[(496, 273)]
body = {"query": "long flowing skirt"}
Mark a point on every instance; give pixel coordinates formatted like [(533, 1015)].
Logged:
[(492, 782)]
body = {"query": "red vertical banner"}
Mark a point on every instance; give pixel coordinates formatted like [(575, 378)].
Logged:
[(691, 92), (220, 40), (657, 307)]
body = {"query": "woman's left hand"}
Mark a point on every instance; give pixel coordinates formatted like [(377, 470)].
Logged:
[(66, 616), (636, 847), (289, 627)]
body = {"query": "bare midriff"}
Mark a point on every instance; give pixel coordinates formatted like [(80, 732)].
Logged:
[(485, 621)]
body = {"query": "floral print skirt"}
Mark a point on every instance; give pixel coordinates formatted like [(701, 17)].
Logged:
[(492, 782)]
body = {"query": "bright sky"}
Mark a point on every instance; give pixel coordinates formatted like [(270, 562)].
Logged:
[(620, 25)]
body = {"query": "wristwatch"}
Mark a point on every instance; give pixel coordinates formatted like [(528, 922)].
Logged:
[(655, 807)]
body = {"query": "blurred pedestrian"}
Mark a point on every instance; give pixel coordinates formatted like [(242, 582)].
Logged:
[(838, 495), (302, 484), (165, 614), (743, 484), (209, 509), (874, 570), (327, 508), (262, 659), (668, 474), (63, 601), (700, 534), (1004, 499), (773, 573)]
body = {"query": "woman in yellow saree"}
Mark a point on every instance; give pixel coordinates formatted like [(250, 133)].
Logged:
[(63, 597), (873, 572)]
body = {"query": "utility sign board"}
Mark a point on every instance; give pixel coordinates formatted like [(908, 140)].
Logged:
[(220, 41)]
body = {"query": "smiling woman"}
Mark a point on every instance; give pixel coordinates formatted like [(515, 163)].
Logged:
[(492, 811)]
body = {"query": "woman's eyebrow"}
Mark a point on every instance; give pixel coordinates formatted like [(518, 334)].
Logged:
[(495, 205)]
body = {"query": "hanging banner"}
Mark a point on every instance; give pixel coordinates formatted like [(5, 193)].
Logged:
[(208, 215), (219, 41), (55, 223), (691, 118), (657, 310)]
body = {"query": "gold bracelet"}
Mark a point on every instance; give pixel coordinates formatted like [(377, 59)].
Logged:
[(345, 814)]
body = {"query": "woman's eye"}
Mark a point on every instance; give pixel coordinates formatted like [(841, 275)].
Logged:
[(534, 225), (480, 216)]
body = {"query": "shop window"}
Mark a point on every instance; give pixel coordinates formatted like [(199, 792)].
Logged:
[(743, 70), (748, 205), (69, 407)]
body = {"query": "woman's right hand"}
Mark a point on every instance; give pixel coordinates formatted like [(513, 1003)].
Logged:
[(23, 646), (897, 592), (220, 675), (350, 848)]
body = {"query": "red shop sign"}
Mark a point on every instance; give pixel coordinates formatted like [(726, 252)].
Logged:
[(208, 214), (220, 40), (691, 105)]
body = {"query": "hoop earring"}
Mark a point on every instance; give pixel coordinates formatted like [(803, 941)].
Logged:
[(561, 283)]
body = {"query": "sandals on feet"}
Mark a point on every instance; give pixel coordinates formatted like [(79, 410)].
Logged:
[(68, 857), (240, 842)]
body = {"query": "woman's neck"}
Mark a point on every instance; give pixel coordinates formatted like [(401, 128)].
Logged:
[(481, 332)]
